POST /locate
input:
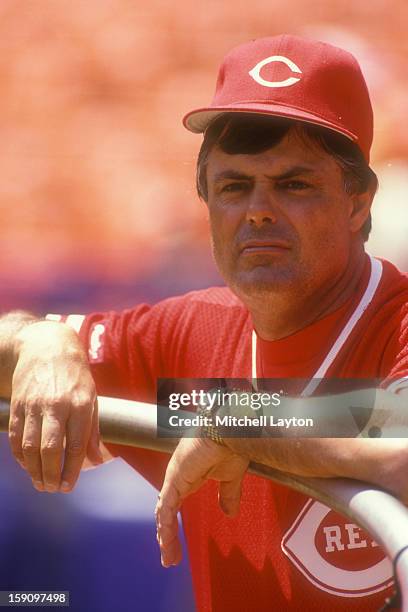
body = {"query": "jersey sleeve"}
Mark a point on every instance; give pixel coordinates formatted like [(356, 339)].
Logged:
[(124, 352)]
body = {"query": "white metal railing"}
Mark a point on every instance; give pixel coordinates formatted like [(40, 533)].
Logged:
[(385, 518)]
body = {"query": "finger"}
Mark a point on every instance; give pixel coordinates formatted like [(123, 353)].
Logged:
[(52, 439), (171, 554), (229, 496), (16, 430), (78, 430), (31, 445), (93, 451), (230, 489), (168, 539), (167, 524)]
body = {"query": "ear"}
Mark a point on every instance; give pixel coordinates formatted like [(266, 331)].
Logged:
[(360, 209)]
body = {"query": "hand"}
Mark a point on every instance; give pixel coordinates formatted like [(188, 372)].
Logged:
[(194, 461), (53, 401)]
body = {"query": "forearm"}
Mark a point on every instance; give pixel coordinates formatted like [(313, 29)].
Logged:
[(312, 457), (372, 460), (11, 325)]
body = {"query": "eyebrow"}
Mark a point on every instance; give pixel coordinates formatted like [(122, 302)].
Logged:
[(290, 173)]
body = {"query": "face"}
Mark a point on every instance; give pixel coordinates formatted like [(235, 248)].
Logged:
[(281, 220)]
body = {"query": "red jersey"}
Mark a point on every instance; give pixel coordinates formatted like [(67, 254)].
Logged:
[(283, 551)]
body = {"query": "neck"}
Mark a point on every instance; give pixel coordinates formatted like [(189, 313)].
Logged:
[(286, 314)]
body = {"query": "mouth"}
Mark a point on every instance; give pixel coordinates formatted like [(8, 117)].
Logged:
[(254, 247)]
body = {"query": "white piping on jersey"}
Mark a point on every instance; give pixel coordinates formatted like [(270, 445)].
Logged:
[(398, 385), (53, 317), (75, 321), (375, 277)]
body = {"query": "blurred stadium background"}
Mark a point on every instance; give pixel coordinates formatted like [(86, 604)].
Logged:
[(98, 211)]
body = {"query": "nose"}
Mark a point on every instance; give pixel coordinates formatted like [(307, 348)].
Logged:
[(261, 206)]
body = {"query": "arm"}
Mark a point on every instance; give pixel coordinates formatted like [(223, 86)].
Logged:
[(355, 456), (382, 462), (45, 373), (10, 326)]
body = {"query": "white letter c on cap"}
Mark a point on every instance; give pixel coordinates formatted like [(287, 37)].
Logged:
[(255, 72)]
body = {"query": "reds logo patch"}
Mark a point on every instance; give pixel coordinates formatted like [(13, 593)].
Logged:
[(255, 73), (336, 555)]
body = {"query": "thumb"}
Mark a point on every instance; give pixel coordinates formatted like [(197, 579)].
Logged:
[(93, 451), (229, 493)]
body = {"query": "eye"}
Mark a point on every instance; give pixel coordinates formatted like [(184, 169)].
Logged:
[(234, 187), (294, 185)]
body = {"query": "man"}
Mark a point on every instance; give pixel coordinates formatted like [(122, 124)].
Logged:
[(284, 172)]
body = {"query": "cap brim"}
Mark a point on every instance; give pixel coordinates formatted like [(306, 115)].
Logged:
[(199, 119)]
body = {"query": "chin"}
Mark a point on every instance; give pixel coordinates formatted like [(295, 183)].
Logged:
[(260, 283)]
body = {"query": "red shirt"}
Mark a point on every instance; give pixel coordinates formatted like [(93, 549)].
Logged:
[(283, 551)]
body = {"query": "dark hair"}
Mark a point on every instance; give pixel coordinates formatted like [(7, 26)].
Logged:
[(246, 133)]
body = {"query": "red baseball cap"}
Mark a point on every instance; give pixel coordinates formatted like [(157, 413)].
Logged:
[(288, 76)]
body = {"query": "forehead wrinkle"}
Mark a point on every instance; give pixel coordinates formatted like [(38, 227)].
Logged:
[(239, 175), (231, 174), (290, 172)]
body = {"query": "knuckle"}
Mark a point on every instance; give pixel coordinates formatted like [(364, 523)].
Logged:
[(20, 407), (59, 406), (15, 423), (75, 448), (55, 402), (14, 438), (50, 448), (90, 394), (30, 448), (33, 408), (81, 404), (55, 405), (17, 407)]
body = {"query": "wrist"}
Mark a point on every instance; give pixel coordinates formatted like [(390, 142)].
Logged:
[(11, 325), (209, 431), (232, 420), (49, 338)]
